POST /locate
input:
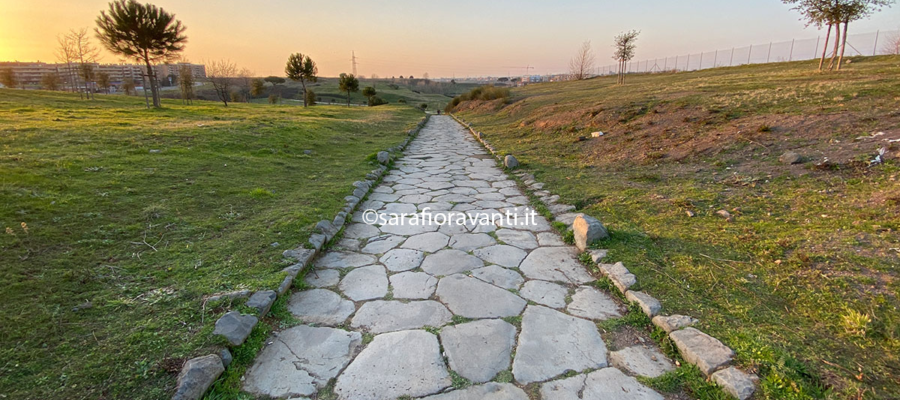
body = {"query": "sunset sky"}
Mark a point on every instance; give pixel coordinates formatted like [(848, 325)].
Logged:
[(459, 38)]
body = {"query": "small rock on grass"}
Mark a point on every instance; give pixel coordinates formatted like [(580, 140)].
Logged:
[(790, 157)]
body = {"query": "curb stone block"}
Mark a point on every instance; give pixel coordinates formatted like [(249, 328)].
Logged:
[(240, 294), (648, 304), (196, 376), (235, 327), (672, 323), (285, 284), (619, 275), (736, 382), (597, 255), (262, 301), (702, 350), (317, 240), (327, 229), (300, 254)]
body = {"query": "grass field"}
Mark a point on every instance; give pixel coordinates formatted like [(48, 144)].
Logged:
[(119, 220), (803, 280)]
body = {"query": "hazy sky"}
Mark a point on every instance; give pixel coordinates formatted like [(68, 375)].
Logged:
[(443, 38)]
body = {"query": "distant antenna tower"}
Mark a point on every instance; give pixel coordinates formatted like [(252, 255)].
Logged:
[(353, 59)]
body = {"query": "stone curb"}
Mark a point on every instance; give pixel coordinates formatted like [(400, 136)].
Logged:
[(706, 352), (199, 373)]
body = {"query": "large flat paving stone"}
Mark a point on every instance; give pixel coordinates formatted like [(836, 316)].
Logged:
[(381, 244), (413, 285), (641, 360), (365, 283), (320, 306), (471, 241), (472, 298), (449, 262), (552, 343), (546, 293), (300, 361), (555, 264), (398, 260), (341, 259), (428, 242), (488, 391), (589, 302), (388, 316), (406, 363), (521, 239), (501, 254), (407, 228), (360, 231), (499, 276), (605, 384), (322, 278), (479, 350)]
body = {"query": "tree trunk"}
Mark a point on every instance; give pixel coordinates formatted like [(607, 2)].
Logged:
[(825, 48), (151, 77), (348, 98), (843, 44), (837, 43), (303, 84)]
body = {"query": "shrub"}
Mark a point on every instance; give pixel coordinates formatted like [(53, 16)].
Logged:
[(274, 99), (310, 97), (484, 93), (402, 101), (376, 101)]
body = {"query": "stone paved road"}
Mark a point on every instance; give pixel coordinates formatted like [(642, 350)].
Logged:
[(485, 301)]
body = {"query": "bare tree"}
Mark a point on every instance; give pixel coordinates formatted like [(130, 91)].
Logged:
[(625, 44), (892, 45), (66, 54), (186, 83), (581, 65), (221, 74), (87, 54)]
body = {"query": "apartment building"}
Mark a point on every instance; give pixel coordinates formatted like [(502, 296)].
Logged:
[(29, 74)]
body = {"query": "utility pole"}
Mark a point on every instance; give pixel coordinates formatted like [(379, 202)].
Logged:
[(353, 60)]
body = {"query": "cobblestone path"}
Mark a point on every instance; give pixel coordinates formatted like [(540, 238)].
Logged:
[(415, 310)]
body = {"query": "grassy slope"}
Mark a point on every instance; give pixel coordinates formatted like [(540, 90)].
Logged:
[(227, 184), (803, 284)]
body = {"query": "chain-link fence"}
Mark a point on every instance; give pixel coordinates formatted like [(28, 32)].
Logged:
[(863, 44)]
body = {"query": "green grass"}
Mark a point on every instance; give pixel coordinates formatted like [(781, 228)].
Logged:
[(103, 292), (803, 283)]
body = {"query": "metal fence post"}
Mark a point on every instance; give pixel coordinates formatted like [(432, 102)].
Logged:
[(875, 48), (716, 58), (749, 53), (791, 57), (687, 65), (676, 63), (701, 62), (731, 62), (770, 53)]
